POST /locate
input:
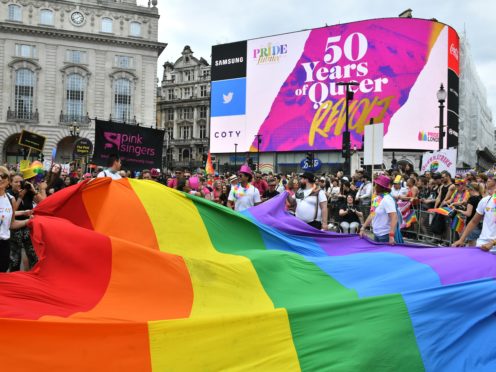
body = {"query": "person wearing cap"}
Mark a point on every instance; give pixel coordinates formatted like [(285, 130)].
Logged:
[(383, 214), (311, 202), (485, 212), (243, 195), (398, 190), (233, 180)]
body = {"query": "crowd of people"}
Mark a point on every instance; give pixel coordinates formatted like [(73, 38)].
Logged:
[(385, 201)]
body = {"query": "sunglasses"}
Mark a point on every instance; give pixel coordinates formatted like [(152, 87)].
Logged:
[(4, 176)]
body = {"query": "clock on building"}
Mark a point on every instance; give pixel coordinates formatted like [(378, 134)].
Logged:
[(77, 18)]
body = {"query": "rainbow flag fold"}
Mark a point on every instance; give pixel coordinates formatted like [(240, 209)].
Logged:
[(134, 276)]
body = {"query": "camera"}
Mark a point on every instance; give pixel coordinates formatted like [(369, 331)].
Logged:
[(25, 185)]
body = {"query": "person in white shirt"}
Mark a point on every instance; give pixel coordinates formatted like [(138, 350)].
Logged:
[(311, 203), (364, 195), (383, 217), (486, 211), (7, 219), (114, 166), (398, 189), (243, 195)]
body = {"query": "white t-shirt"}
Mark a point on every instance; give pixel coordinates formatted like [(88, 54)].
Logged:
[(381, 224), (244, 198), (403, 191), (306, 205), (487, 208), (5, 217), (365, 192), (107, 173)]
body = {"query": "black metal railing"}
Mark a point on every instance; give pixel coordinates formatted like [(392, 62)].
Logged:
[(71, 119), (23, 115)]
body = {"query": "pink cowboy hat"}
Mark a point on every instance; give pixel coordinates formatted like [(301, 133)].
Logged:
[(383, 181), (246, 169)]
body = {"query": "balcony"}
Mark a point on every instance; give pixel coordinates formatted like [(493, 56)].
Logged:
[(23, 116), (81, 120), (189, 141)]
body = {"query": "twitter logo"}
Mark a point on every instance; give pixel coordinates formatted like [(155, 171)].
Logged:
[(228, 97)]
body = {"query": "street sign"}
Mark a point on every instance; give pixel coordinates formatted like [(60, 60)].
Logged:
[(83, 147), (305, 165), (32, 140), (373, 144)]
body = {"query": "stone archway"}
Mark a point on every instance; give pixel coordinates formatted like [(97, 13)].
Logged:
[(65, 149), (13, 153)]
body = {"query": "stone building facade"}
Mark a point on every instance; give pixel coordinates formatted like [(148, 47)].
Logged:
[(63, 63), (183, 110)]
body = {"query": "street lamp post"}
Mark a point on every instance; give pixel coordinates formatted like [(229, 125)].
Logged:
[(235, 156), (346, 135), (441, 98), (259, 141)]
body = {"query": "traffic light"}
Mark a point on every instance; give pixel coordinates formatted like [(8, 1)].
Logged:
[(41, 157), (346, 145)]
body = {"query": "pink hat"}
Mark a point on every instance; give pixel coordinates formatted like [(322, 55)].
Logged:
[(246, 169), (154, 172), (194, 183), (383, 181)]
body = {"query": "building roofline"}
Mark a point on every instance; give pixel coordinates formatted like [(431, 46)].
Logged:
[(83, 36)]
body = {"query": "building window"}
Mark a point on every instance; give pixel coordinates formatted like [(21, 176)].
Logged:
[(122, 100), (203, 112), (26, 51), (187, 75), (24, 93), (205, 73), (203, 131), (76, 56), (170, 94), (187, 92), (169, 133), (135, 29), (124, 62), (184, 154), (15, 13), (107, 25), (203, 91), (46, 17), (186, 113), (185, 132), (74, 106), (170, 114)]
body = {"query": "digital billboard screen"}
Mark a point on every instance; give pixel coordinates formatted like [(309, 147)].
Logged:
[(285, 87)]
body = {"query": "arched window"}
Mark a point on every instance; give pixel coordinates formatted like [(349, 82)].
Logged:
[(185, 154), (15, 13), (46, 17), (24, 92), (122, 100), (107, 25), (75, 98), (135, 29)]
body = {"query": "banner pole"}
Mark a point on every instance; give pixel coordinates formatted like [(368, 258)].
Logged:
[(29, 153)]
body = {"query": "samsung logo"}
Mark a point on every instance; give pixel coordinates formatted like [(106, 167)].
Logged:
[(229, 61)]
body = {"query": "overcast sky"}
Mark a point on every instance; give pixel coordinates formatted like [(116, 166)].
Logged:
[(201, 24)]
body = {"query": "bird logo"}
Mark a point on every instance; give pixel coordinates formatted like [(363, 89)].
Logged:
[(227, 97)]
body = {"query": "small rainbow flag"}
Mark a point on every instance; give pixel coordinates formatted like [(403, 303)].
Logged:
[(410, 219), (209, 168), (458, 224), (444, 211)]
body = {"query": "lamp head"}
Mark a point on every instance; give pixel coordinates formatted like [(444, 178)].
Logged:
[(441, 94)]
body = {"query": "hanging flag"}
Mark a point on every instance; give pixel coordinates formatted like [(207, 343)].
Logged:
[(209, 168)]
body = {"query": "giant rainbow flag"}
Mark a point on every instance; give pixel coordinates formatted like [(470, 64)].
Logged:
[(134, 276)]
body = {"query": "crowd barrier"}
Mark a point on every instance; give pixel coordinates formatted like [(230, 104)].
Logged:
[(421, 230)]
